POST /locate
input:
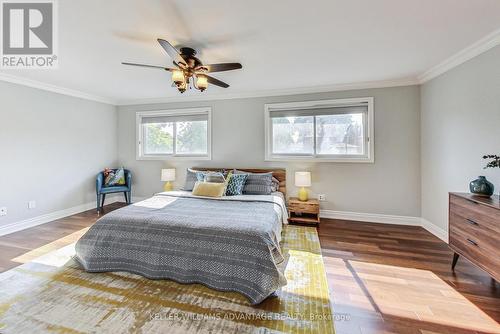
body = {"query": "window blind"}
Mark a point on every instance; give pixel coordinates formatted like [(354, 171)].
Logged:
[(174, 118), (317, 111)]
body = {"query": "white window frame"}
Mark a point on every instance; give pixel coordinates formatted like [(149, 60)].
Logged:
[(368, 157), (173, 112)]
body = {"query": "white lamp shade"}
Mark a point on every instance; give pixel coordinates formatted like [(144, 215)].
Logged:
[(303, 179), (168, 174)]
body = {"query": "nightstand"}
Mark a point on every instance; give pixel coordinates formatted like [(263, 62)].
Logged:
[(303, 212)]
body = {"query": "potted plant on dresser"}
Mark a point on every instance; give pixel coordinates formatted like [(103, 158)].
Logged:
[(494, 161)]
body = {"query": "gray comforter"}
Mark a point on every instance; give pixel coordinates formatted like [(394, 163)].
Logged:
[(228, 244)]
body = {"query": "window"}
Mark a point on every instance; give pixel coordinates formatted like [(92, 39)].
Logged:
[(327, 130), (183, 133)]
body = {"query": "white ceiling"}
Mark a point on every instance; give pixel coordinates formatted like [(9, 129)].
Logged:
[(282, 44)]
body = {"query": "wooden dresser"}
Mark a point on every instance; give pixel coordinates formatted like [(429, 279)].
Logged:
[(474, 231)]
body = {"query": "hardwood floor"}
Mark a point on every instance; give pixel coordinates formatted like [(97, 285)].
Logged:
[(22, 246), (383, 278), (397, 279)]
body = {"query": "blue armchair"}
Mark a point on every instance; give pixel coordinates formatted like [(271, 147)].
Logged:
[(101, 190)]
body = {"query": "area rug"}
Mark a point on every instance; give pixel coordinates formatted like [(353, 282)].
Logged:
[(51, 294)]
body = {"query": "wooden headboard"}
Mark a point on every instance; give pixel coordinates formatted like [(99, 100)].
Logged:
[(279, 174)]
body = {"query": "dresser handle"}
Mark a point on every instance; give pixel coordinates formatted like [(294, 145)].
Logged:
[(472, 242), (470, 221)]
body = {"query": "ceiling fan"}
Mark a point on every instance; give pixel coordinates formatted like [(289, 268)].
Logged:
[(188, 66)]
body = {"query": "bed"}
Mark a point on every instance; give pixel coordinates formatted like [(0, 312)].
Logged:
[(228, 244)]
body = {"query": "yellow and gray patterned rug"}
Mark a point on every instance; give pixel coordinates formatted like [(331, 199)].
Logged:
[(51, 294)]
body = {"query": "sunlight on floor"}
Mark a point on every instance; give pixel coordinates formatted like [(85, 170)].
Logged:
[(57, 244), (407, 293)]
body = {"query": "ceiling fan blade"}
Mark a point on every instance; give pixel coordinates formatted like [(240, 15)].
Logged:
[(172, 52), (221, 67), (216, 82), (150, 66)]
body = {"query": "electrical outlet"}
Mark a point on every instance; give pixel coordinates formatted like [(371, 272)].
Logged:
[(322, 197), (31, 204), (3, 211)]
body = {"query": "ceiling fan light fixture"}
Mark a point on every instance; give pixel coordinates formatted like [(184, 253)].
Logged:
[(187, 66), (201, 82), (178, 77)]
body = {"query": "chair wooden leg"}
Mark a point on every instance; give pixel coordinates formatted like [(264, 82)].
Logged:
[(103, 199), (125, 194), (129, 197)]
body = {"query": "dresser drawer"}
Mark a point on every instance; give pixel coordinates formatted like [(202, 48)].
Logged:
[(476, 251), (475, 230), (483, 215)]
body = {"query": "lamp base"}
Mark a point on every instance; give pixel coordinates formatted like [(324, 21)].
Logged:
[(168, 186), (303, 196)]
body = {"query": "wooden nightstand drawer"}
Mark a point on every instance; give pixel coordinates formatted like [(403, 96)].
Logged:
[(304, 207)]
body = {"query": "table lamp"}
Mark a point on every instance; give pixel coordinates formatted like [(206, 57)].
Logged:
[(168, 175), (302, 180)]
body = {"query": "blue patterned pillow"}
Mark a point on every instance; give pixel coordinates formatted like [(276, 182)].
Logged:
[(236, 184)]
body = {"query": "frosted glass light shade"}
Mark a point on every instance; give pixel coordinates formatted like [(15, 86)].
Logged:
[(202, 82), (168, 174), (303, 179), (177, 77)]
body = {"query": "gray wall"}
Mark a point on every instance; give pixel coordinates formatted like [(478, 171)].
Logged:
[(429, 140), (460, 123), (389, 186), (51, 147)]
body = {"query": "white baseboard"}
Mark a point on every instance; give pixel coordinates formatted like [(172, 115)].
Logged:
[(387, 219), (371, 217), (46, 218), (434, 229)]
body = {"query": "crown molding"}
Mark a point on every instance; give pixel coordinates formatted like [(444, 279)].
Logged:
[(484, 44), (54, 89), (274, 92)]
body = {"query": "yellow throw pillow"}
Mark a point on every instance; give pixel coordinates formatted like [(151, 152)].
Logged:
[(209, 189)]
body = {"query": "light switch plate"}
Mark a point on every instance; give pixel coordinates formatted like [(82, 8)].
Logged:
[(31, 204), (322, 197)]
